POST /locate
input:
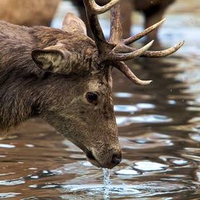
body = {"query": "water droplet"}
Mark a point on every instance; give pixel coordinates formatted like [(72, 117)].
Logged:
[(106, 177), (106, 182)]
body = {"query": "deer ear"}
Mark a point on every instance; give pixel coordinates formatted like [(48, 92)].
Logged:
[(52, 59), (72, 23)]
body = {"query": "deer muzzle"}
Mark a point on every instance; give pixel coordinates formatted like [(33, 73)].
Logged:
[(104, 159)]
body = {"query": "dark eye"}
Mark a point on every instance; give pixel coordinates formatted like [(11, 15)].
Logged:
[(92, 97)]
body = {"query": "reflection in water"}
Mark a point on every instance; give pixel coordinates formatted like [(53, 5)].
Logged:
[(159, 132)]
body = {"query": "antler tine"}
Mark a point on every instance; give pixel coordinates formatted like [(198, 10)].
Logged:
[(143, 33), (102, 9), (92, 9), (115, 25), (130, 75), (130, 55), (142, 52), (163, 53), (116, 50)]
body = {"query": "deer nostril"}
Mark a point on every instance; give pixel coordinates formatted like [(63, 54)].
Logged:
[(90, 155), (116, 159), (105, 161)]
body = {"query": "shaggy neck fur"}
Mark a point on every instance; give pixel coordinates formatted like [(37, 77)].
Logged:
[(20, 79)]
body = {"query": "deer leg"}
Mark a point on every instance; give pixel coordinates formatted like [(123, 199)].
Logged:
[(127, 8), (151, 17), (83, 16)]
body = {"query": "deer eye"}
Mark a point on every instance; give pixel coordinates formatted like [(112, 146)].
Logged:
[(92, 97)]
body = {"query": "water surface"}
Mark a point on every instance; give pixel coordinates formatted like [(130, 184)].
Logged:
[(159, 130)]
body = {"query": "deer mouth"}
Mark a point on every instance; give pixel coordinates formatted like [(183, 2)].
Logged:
[(110, 163), (92, 159)]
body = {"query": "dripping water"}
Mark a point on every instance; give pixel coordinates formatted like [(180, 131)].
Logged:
[(106, 183)]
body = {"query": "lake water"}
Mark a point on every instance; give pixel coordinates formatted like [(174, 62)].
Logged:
[(159, 131)]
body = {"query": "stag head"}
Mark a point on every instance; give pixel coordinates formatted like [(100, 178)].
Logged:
[(84, 113)]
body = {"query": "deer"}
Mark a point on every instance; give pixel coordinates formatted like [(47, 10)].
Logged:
[(28, 13), (65, 77), (152, 11)]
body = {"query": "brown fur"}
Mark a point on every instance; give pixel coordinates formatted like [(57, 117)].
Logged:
[(30, 88), (29, 13)]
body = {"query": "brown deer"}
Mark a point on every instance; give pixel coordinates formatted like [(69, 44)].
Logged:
[(29, 13), (65, 77), (153, 11)]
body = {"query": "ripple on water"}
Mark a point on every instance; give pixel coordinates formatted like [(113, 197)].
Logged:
[(125, 108), (146, 166), (123, 94), (146, 141), (195, 136), (8, 146), (8, 195), (147, 189), (133, 108), (125, 121), (98, 189), (12, 182), (136, 189), (125, 172), (176, 161)]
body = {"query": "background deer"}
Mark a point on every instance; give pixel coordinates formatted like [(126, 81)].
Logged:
[(65, 77), (29, 13), (153, 12)]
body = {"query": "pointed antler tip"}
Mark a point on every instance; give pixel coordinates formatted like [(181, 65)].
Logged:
[(164, 19), (181, 43), (148, 45), (140, 82), (145, 82), (151, 42), (102, 9)]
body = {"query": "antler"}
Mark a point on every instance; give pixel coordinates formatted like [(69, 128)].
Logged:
[(116, 50)]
